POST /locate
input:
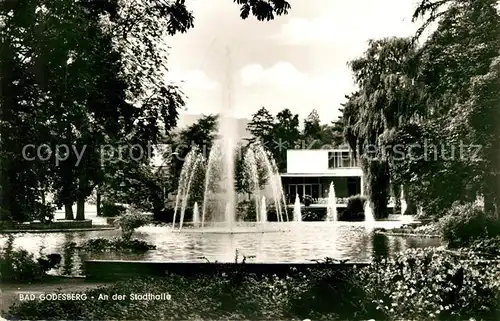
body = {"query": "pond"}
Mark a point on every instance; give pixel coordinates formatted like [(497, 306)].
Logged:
[(273, 243)]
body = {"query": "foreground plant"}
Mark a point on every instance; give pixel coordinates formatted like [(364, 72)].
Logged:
[(21, 265), (427, 284), (467, 224), (115, 244), (420, 284), (128, 223), (131, 221)]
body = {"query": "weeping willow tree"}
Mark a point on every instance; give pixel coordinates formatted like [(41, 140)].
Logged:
[(440, 95), (386, 99)]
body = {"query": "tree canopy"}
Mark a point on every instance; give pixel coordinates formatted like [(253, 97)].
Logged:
[(81, 75), (437, 95)]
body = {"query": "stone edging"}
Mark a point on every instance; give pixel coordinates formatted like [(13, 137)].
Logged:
[(103, 228)]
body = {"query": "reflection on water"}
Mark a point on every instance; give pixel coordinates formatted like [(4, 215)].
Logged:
[(285, 242), (380, 245), (397, 244)]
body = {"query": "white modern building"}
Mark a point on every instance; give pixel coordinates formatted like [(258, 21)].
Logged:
[(310, 172)]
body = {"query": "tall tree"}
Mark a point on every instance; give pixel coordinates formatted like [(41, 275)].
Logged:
[(98, 64), (285, 135), (384, 75), (202, 135), (461, 53), (277, 134), (313, 131), (261, 126)]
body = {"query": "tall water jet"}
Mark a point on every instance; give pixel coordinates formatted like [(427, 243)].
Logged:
[(221, 160), (281, 193), (227, 132), (219, 187), (273, 178), (331, 208), (219, 195), (184, 178), (196, 214), (369, 218), (194, 168), (228, 215), (403, 202), (251, 174), (297, 214), (263, 211), (212, 162)]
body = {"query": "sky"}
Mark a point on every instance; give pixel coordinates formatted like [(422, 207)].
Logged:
[(298, 61)]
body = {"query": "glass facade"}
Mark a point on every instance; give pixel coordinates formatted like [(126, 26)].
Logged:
[(318, 187), (341, 159)]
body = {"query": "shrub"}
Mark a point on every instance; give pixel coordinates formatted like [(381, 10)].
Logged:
[(18, 265), (115, 244), (489, 247), (307, 200), (6, 224), (324, 294), (130, 221), (44, 213), (231, 296), (465, 223), (354, 208), (417, 284), (309, 215), (5, 215), (427, 229), (112, 210), (166, 214), (426, 284), (246, 210)]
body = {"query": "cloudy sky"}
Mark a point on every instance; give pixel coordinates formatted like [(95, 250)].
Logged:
[(297, 61)]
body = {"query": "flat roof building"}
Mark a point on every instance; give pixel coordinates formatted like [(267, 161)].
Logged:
[(310, 172)]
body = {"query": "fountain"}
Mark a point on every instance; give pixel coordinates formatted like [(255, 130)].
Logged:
[(260, 176), (268, 166), (198, 163), (182, 190), (403, 202), (297, 215), (208, 185), (369, 218), (228, 214), (263, 211), (331, 209), (219, 194), (251, 175), (196, 214)]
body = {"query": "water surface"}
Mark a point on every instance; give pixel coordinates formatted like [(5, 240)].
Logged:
[(269, 243)]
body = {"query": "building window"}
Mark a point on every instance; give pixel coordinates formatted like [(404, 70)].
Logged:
[(343, 159), (346, 160), (332, 160), (301, 190), (339, 159)]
